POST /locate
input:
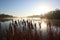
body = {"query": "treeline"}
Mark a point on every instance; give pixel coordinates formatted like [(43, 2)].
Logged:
[(53, 14), (5, 16)]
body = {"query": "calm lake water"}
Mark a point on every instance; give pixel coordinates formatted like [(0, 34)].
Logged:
[(44, 27), (5, 25)]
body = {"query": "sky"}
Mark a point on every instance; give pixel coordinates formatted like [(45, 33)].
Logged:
[(27, 7)]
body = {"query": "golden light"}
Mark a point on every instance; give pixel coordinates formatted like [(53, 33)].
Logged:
[(42, 9)]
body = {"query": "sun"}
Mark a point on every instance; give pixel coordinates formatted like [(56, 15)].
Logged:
[(42, 9)]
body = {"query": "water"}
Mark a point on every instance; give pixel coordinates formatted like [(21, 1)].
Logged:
[(5, 25), (44, 33)]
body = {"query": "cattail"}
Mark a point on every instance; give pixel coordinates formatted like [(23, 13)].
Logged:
[(31, 25), (0, 32), (40, 25), (37, 36), (11, 32), (35, 25), (16, 22)]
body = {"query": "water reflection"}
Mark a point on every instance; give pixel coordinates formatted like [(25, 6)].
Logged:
[(43, 25), (29, 30), (5, 25)]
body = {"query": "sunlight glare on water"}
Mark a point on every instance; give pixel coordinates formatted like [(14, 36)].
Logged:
[(43, 26)]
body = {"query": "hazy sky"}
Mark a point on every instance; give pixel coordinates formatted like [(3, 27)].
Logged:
[(26, 7)]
